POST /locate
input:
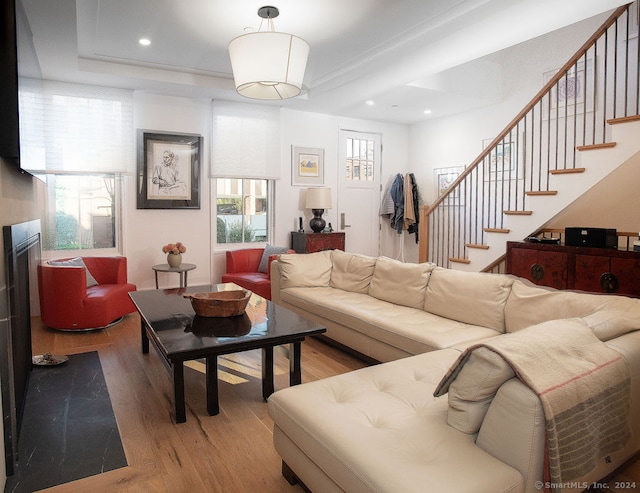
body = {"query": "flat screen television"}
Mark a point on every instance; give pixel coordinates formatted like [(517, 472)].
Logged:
[(9, 121), (17, 58)]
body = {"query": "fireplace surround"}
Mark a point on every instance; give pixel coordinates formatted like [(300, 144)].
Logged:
[(22, 255)]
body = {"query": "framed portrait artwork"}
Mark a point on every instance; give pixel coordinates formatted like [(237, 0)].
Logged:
[(168, 170), (307, 166)]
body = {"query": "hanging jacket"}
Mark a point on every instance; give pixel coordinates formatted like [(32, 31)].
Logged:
[(397, 195), (415, 195), (386, 206)]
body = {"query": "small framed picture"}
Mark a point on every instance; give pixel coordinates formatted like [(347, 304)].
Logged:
[(307, 166), (444, 178), (168, 170)]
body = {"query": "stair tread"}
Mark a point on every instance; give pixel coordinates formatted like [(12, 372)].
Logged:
[(477, 245), (542, 192), (566, 171), (518, 213), (623, 119), (496, 230), (591, 147), (460, 260)]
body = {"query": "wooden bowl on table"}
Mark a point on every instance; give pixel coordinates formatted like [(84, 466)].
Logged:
[(220, 303)]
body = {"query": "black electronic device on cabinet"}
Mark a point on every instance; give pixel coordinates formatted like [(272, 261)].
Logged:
[(591, 237)]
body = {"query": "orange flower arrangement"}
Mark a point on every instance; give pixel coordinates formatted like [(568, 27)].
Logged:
[(174, 248)]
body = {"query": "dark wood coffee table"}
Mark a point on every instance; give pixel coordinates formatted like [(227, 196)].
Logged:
[(179, 335)]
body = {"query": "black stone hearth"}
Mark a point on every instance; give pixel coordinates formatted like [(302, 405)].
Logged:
[(68, 430)]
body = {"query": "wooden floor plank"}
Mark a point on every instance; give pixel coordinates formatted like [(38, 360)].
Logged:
[(231, 452)]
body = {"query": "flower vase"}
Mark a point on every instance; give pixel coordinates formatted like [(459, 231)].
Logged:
[(174, 259)]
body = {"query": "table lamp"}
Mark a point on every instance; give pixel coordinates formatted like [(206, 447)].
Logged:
[(318, 199)]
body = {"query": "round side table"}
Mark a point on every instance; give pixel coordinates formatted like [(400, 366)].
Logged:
[(182, 270)]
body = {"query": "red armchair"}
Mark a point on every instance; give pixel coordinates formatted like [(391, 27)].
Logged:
[(243, 269), (68, 303)]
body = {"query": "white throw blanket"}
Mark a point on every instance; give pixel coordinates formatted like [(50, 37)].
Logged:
[(583, 385)]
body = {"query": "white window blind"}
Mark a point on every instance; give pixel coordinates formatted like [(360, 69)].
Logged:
[(68, 127), (246, 141)]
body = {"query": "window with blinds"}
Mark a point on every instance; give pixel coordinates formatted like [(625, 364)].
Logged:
[(75, 128)]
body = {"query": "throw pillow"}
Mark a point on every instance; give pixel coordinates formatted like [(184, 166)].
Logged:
[(268, 251), (308, 270), (77, 262), (351, 272), (475, 386), (401, 283), (475, 298)]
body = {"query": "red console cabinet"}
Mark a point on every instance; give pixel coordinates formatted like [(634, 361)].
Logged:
[(316, 242), (598, 270)]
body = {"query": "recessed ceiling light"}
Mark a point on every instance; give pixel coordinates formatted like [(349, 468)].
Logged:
[(370, 103), (427, 112), (144, 41)]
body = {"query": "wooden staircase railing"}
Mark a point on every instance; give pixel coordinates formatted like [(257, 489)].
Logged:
[(597, 87)]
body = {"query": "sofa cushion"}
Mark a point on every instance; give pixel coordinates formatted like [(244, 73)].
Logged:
[(615, 316), (76, 262), (471, 393), (608, 316), (529, 305), (305, 270), (409, 329), (380, 429), (471, 297), (399, 282), (268, 251), (351, 272)]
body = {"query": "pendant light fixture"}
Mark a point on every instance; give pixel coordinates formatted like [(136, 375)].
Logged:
[(268, 64)]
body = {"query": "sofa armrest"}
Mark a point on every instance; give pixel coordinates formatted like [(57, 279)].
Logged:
[(513, 430), (274, 275), (61, 287)]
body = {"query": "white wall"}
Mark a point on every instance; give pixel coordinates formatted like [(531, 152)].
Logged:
[(457, 140), (322, 131), (146, 230), (441, 142)]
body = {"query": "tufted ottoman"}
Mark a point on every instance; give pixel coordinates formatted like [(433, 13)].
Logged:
[(380, 429)]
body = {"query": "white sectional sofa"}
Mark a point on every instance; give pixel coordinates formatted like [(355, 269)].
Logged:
[(382, 429)]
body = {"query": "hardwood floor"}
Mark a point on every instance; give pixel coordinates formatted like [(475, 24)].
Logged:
[(230, 452)]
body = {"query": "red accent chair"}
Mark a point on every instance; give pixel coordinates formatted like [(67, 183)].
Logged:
[(242, 269), (66, 303)]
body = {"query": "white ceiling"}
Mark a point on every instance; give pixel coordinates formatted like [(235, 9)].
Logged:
[(394, 52)]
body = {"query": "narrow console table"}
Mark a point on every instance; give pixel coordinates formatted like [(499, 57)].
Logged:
[(599, 270), (304, 242)]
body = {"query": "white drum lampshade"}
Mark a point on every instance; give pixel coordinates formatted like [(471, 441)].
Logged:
[(268, 64), (318, 200)]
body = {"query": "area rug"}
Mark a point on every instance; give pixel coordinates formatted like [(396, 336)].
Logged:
[(69, 431)]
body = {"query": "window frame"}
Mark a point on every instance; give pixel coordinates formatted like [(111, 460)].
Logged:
[(271, 184), (117, 249)]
